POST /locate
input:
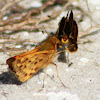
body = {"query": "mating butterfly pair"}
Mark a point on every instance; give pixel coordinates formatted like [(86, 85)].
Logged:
[(25, 65)]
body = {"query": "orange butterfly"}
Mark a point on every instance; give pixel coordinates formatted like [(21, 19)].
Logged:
[(29, 63), (25, 65)]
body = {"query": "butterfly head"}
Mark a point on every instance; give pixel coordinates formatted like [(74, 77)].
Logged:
[(64, 40)]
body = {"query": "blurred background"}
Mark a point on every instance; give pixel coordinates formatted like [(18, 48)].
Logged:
[(22, 20), (21, 26)]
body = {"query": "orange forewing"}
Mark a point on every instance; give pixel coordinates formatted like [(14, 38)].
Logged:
[(29, 63)]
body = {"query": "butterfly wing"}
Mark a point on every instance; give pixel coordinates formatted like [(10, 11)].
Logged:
[(29, 63), (71, 30), (24, 67)]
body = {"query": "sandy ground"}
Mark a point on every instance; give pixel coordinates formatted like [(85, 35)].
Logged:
[(82, 78)]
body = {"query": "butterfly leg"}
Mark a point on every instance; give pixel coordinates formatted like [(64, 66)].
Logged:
[(44, 76), (67, 59), (69, 64), (43, 80), (58, 75)]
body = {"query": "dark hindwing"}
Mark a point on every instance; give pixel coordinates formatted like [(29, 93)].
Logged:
[(68, 28)]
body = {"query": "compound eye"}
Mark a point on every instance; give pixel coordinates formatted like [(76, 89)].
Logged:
[(64, 39)]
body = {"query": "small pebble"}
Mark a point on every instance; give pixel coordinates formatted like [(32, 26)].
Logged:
[(84, 60)]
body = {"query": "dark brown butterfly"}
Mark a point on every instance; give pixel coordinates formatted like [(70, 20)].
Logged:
[(67, 33)]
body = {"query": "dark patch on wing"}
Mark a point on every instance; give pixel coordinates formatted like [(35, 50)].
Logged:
[(36, 68), (40, 60), (26, 74)]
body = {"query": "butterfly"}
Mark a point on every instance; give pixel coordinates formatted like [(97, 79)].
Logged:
[(25, 65), (29, 63), (67, 33)]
